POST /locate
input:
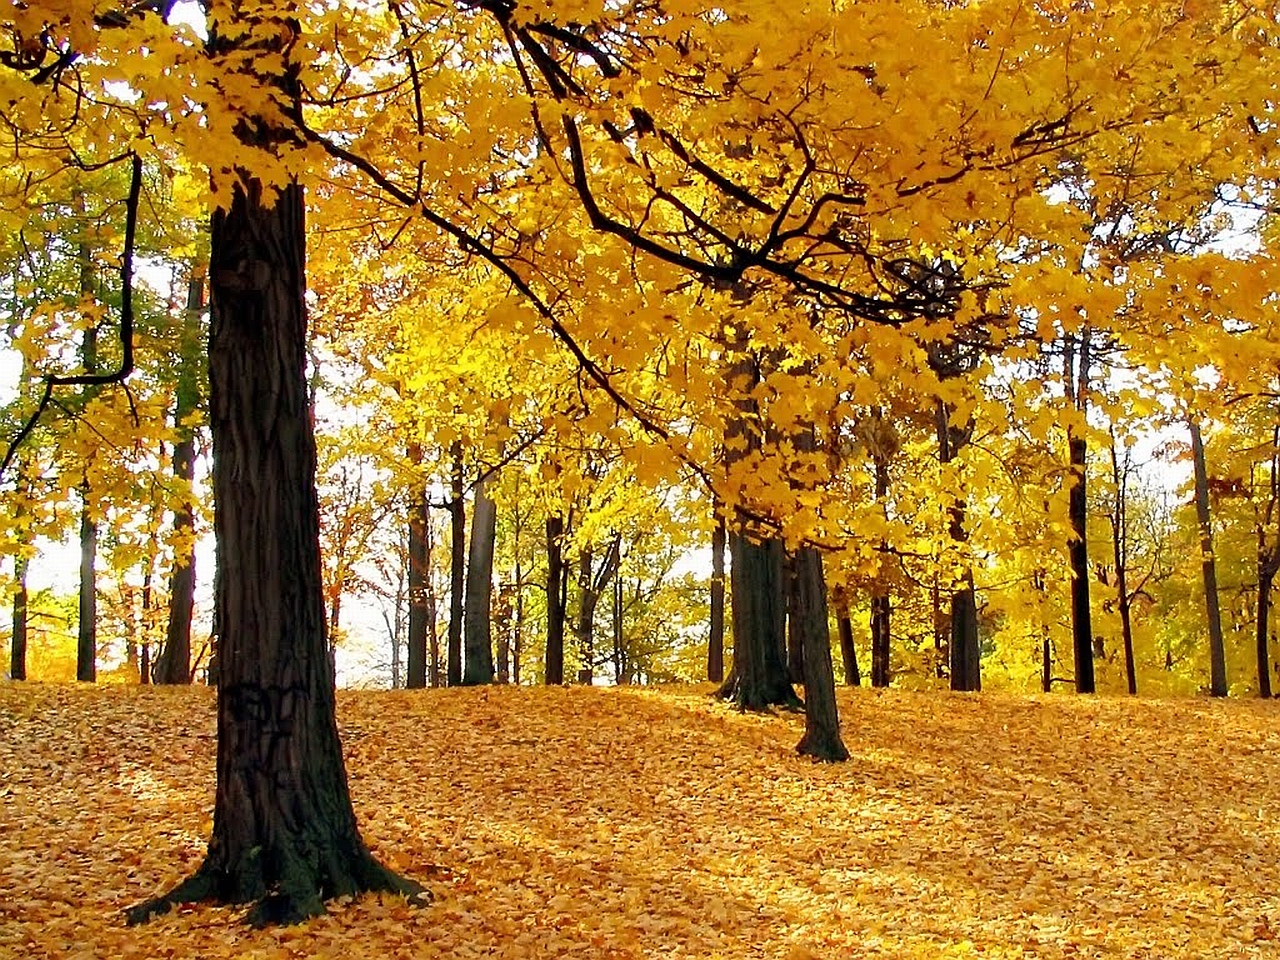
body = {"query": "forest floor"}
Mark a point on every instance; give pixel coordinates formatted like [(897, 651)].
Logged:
[(604, 823)]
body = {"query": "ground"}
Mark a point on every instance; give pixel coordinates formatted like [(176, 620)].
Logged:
[(600, 823)]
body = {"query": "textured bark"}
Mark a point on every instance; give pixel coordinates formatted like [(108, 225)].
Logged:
[(715, 643), (284, 832), (794, 649), (478, 665), (557, 582), (457, 569), (758, 679), (821, 738), (1120, 555), (418, 583), (1208, 567)]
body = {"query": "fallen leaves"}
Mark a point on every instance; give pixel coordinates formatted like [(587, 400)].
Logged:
[(657, 823)]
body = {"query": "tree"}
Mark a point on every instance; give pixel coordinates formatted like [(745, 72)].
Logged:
[(284, 832), (1208, 565)]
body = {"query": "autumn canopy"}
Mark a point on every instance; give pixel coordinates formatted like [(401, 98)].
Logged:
[(759, 343)]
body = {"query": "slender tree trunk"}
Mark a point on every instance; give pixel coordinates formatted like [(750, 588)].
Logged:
[(284, 832), (619, 638), (881, 605), (593, 584), (821, 721), (795, 645), (503, 665), (1078, 553), (18, 638), (1120, 555), (87, 645), (848, 651), (715, 643), (556, 583), (457, 568), (419, 577), (1077, 380), (478, 668), (1209, 568), (1266, 577), (517, 628), (965, 652), (173, 666)]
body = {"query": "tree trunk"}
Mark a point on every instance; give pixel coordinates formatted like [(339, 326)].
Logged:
[(478, 667), (848, 651), (174, 663), (557, 582), (758, 679), (821, 738), (419, 574), (593, 584), (1078, 552), (1208, 567), (457, 567), (87, 643), (502, 666), (1266, 577), (1076, 378), (715, 643), (795, 645), (1120, 555), (284, 832), (18, 639), (965, 653)]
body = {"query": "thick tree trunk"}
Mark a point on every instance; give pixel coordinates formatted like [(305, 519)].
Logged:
[(758, 679), (1266, 577), (478, 666), (284, 832), (1208, 567), (457, 568), (715, 643), (556, 584), (18, 638), (821, 738), (418, 579)]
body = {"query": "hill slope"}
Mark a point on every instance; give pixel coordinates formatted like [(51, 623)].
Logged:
[(649, 823)]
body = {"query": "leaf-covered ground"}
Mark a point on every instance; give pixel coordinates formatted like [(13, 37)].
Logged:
[(638, 823)]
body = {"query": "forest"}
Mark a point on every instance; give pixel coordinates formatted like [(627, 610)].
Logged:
[(929, 346)]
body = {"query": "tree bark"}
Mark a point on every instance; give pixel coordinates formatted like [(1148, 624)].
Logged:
[(478, 666), (1120, 555), (457, 568), (1208, 566), (173, 666), (821, 738), (284, 831), (715, 643), (419, 572), (758, 679), (965, 652), (1077, 381), (557, 582), (1266, 577), (87, 630), (18, 638), (848, 651)]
